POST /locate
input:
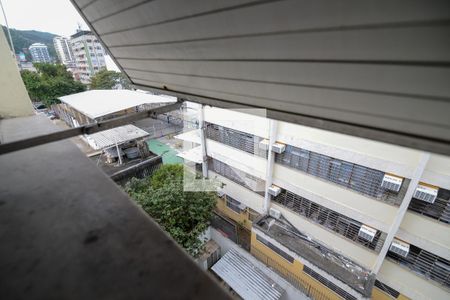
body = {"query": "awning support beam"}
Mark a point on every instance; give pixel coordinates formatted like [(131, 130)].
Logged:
[(86, 129)]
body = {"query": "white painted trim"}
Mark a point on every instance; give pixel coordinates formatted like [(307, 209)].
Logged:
[(269, 167)]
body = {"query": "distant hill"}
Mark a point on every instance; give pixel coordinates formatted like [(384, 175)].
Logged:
[(24, 38)]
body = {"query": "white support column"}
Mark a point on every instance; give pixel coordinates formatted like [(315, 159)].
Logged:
[(401, 212), (201, 122), (270, 161)]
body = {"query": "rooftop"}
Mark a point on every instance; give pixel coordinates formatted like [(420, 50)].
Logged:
[(98, 103), (119, 135)]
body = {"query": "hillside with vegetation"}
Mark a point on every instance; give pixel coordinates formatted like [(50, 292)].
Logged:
[(24, 38)]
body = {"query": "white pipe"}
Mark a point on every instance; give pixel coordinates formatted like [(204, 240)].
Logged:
[(270, 161), (201, 122)]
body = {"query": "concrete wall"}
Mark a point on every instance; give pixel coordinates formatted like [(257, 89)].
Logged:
[(14, 99)]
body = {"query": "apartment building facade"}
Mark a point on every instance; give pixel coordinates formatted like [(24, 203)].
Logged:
[(340, 216), (89, 55), (39, 53), (64, 52)]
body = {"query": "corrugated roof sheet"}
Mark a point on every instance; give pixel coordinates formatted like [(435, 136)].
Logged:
[(97, 103), (245, 278), (108, 138)]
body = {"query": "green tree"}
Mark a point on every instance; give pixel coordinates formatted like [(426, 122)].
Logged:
[(50, 82), (184, 215), (107, 80)]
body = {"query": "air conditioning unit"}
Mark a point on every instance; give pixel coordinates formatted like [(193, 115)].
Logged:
[(220, 193), (367, 233), (264, 145), (274, 213), (392, 182), (426, 193), (274, 190), (278, 148), (399, 247)]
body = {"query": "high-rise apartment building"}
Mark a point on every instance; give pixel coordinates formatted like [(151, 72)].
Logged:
[(39, 53), (88, 53), (63, 50), (340, 217)]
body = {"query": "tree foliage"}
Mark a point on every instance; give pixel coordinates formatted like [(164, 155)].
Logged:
[(22, 39), (184, 215), (50, 82), (108, 80)]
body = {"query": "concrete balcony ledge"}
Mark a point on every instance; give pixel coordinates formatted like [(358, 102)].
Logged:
[(68, 232)]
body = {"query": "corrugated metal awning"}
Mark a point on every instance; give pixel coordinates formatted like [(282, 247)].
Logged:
[(245, 278), (110, 137)]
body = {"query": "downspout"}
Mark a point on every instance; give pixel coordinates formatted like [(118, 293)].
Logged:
[(201, 121), (270, 161)]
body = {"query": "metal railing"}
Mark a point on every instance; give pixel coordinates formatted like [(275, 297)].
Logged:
[(439, 210), (235, 138), (334, 221), (425, 264), (359, 178)]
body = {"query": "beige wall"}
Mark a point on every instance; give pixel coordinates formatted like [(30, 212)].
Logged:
[(410, 284), (14, 99), (381, 156)]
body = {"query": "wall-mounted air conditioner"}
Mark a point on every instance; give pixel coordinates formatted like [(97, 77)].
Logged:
[(274, 190), (274, 213), (392, 182), (264, 145), (399, 247), (278, 148), (426, 193), (367, 233)]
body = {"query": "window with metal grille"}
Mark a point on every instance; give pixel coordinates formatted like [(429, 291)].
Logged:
[(425, 263), (387, 289), (439, 210), (341, 292), (329, 219), (234, 138), (275, 249), (246, 180), (356, 177), (233, 204)]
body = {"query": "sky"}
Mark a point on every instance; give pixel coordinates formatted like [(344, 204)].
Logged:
[(54, 16)]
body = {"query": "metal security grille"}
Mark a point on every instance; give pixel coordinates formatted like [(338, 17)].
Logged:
[(328, 283), (275, 249), (425, 263), (439, 210), (246, 180), (356, 177), (387, 289), (329, 219), (233, 204), (234, 138)]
